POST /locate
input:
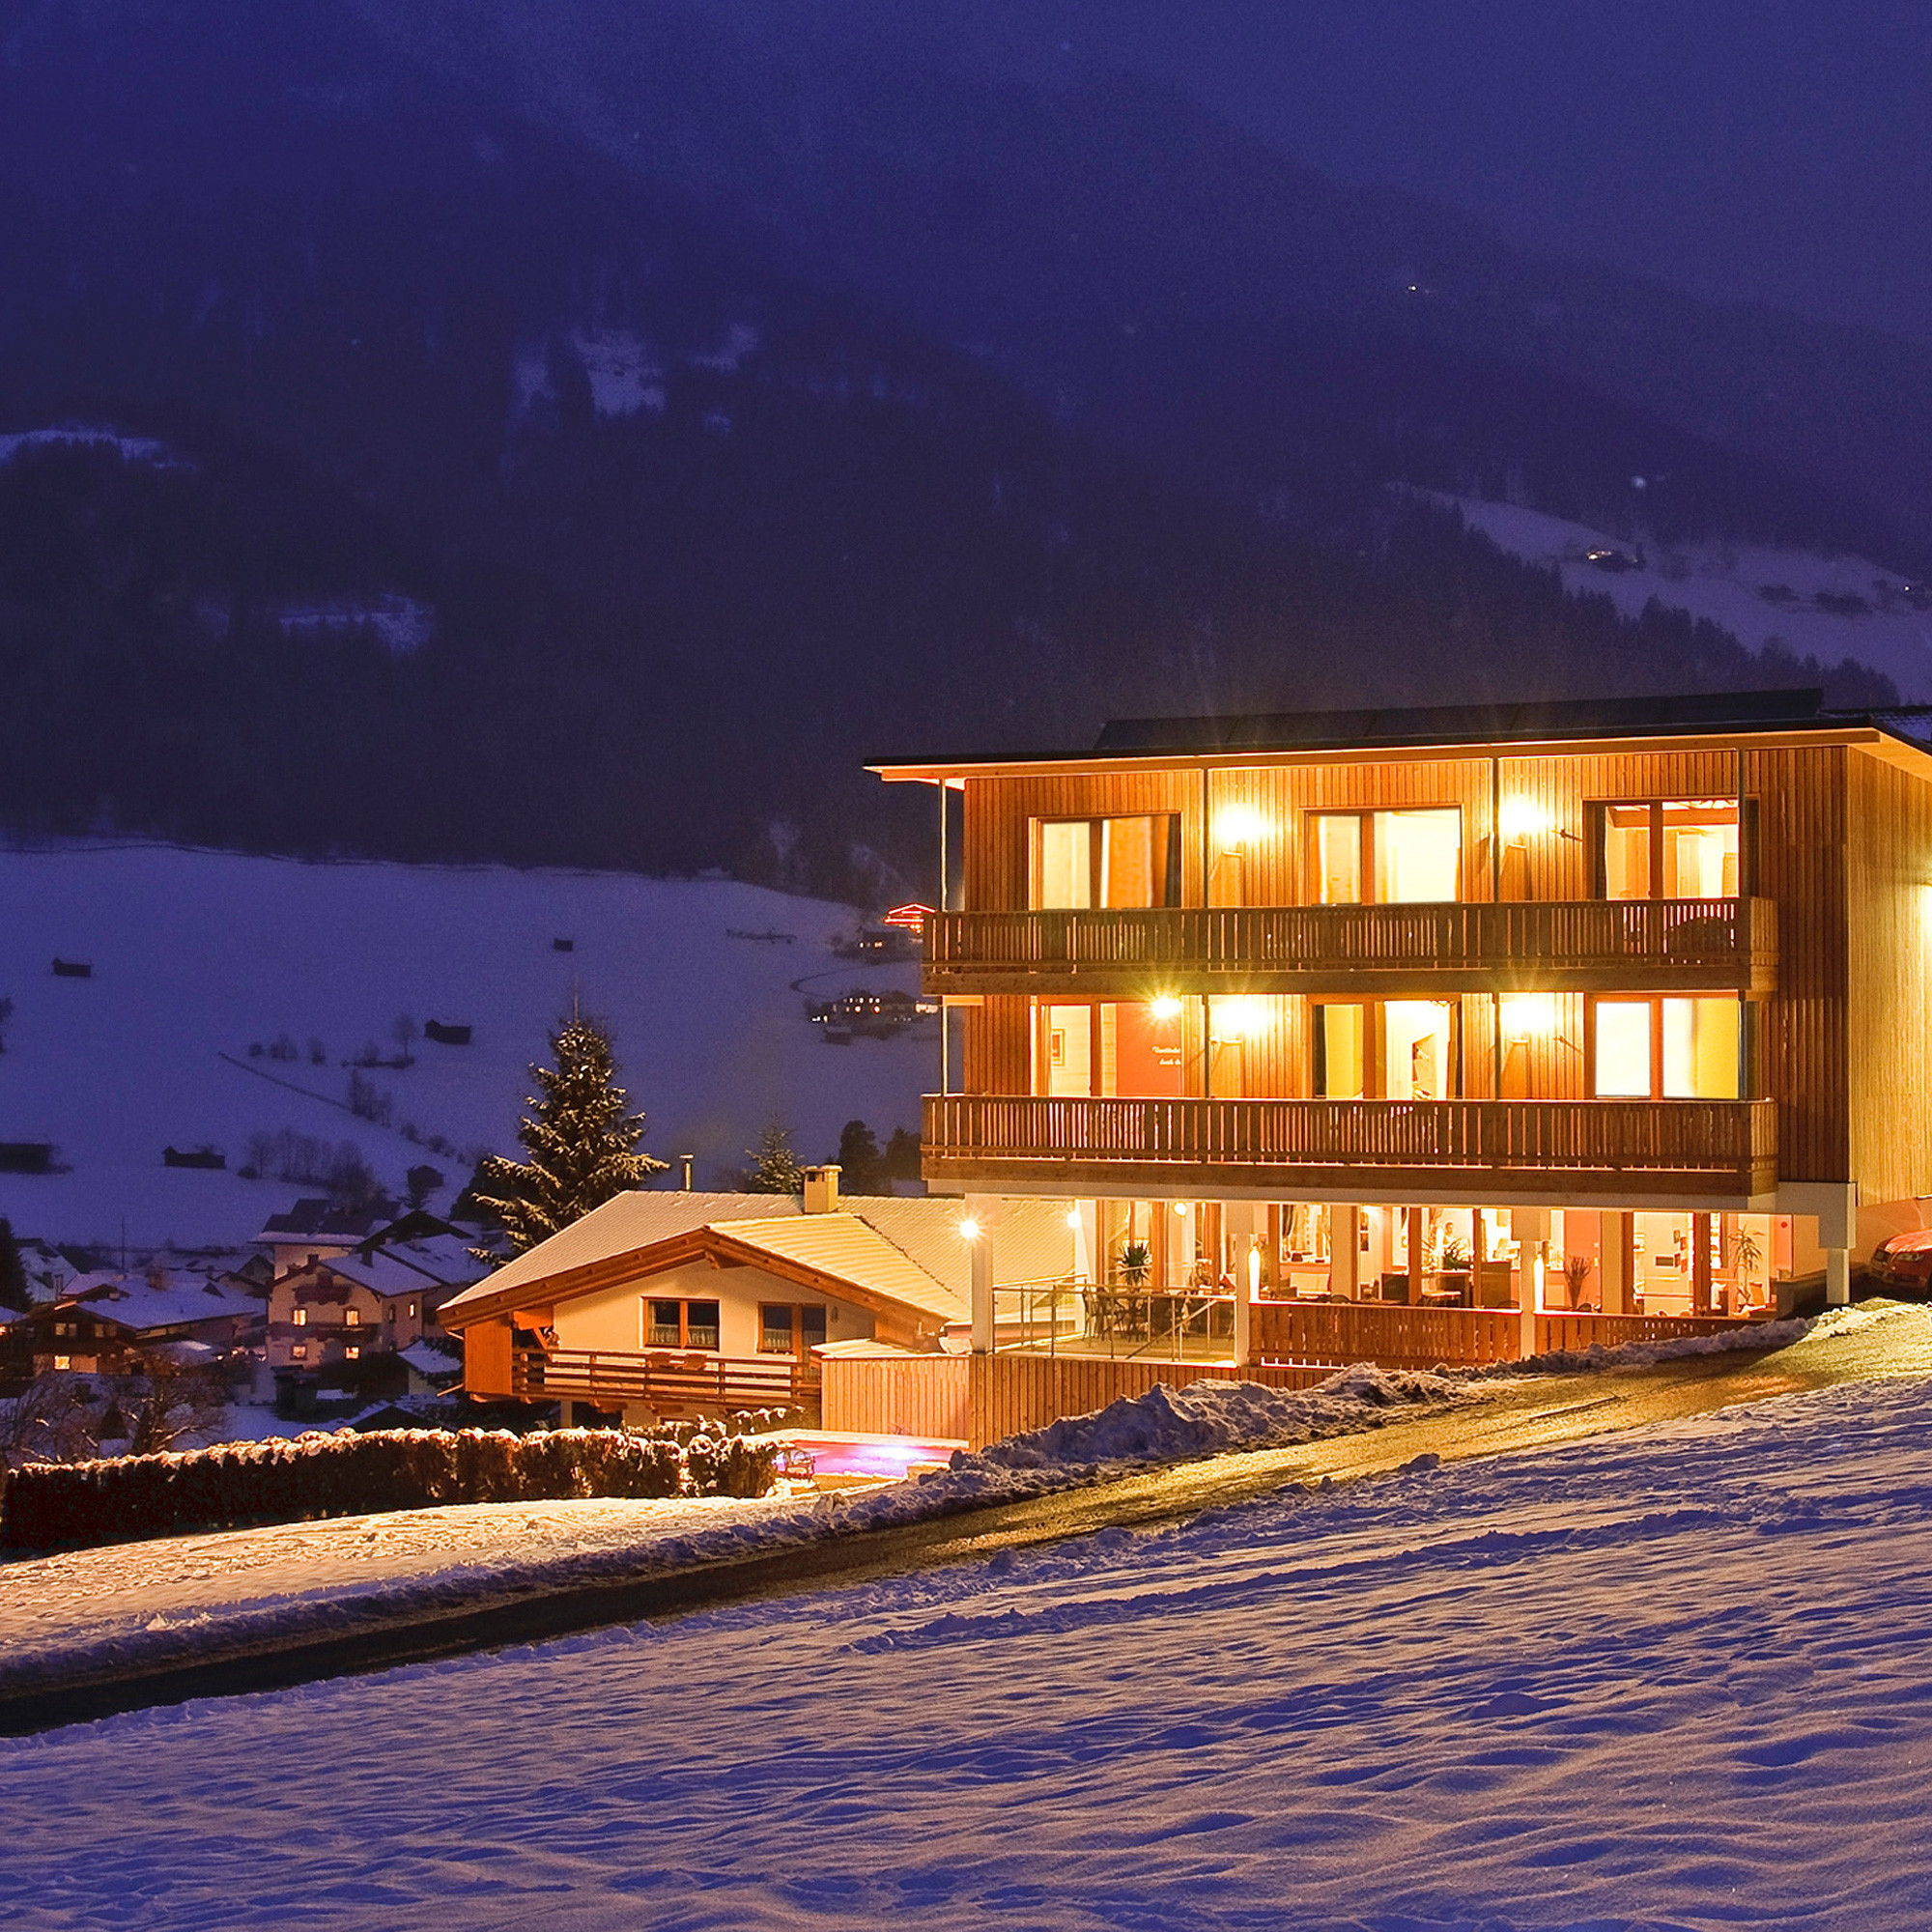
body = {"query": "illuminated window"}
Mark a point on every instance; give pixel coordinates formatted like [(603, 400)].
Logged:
[(1385, 1050), (352, 1317), (1675, 1048), (63, 1362), (1674, 848), (1623, 1049), (1340, 1069), (352, 1352), (1107, 862), (1401, 858), (299, 1352), (300, 1317)]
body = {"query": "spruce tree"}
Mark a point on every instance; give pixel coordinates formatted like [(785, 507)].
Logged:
[(582, 1146), (775, 1168), (858, 1159)]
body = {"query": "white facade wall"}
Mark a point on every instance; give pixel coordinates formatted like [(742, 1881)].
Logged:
[(614, 1319)]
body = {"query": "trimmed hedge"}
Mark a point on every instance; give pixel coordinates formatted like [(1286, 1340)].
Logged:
[(74, 1505)]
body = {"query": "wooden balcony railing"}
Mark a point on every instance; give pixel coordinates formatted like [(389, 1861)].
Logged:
[(671, 1385), (1575, 944), (1717, 1147)]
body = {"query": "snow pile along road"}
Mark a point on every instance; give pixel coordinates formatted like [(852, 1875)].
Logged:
[(145, 1606), (1210, 1418)]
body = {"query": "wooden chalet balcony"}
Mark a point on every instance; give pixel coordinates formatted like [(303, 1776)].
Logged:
[(1623, 1149), (671, 1383), (1567, 946)]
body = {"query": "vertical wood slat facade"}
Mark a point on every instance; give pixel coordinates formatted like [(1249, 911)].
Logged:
[(1838, 922)]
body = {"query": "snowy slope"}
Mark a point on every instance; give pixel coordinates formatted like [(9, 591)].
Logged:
[(1728, 583), (199, 955), (1672, 1679)]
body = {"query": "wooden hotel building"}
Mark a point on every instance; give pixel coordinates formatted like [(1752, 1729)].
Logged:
[(1604, 1012)]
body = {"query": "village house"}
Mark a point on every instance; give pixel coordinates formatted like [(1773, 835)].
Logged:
[(664, 1303), (377, 1299)]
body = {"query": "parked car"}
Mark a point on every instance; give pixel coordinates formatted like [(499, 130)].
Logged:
[(1903, 1264)]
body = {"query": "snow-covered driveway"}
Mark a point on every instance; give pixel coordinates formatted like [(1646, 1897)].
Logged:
[(1675, 1678)]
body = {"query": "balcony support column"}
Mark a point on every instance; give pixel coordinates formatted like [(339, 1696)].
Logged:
[(1418, 1219), (1613, 1266), (979, 1209), (1531, 1227), (1345, 1252), (1837, 1277), (1237, 1233)]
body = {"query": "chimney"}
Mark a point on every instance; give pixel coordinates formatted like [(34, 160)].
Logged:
[(821, 1189)]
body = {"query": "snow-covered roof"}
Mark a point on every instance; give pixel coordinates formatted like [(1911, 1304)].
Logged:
[(844, 1250), (141, 1304), (912, 1241), (429, 1360)]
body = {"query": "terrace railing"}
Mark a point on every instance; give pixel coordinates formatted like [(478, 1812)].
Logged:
[(1722, 1147), (1554, 946)]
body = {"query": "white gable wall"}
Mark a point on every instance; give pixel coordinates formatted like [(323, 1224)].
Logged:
[(614, 1319)]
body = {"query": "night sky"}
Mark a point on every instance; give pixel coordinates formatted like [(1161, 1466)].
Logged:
[(1767, 150)]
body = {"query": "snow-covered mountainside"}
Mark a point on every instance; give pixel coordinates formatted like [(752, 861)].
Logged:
[(1674, 1678), (200, 958), (1830, 607)]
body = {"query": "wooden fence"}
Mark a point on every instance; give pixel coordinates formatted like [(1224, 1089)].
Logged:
[(983, 1398)]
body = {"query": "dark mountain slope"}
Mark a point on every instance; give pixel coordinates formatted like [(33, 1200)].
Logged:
[(682, 535), (1198, 296)]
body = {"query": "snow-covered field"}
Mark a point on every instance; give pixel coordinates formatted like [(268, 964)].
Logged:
[(1677, 1678), (187, 1599), (1727, 582), (197, 955)]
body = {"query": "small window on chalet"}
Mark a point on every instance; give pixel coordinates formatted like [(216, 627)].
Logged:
[(1672, 848), (773, 1328), (352, 1317), (1107, 862), (681, 1324), (352, 1352), (812, 1326), (63, 1362), (300, 1317), (299, 1352)]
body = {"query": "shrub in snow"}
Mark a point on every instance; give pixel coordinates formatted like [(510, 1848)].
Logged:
[(47, 1506)]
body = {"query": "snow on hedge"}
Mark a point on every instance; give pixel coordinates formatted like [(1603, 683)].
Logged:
[(69, 1505)]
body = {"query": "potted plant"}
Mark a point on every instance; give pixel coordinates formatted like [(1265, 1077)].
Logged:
[(1456, 1271), (1136, 1264)]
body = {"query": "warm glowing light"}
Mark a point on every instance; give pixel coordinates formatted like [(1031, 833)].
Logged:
[(1529, 1016), (1522, 819), (969, 1230), (1241, 1019), (1165, 1008), (1237, 826), (1180, 1206), (1254, 1270), (1073, 1219)]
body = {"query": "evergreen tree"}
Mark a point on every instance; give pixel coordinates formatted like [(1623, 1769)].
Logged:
[(582, 1146), (14, 1289), (775, 1168), (858, 1159)]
